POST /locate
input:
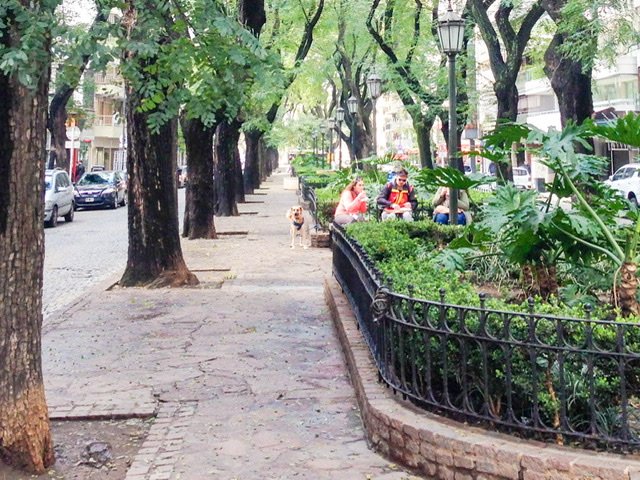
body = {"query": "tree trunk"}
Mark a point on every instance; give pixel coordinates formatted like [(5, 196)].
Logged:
[(570, 80), (237, 174), (571, 85), (424, 143), (155, 256), (265, 161), (198, 211), (507, 101), (25, 438), (56, 124), (547, 280), (251, 14), (628, 289), (272, 158), (225, 145), (251, 174)]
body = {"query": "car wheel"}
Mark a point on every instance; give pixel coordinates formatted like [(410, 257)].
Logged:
[(114, 204), (633, 200), (69, 216), (124, 200), (53, 222)]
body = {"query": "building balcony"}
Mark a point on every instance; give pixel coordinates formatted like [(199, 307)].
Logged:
[(105, 126)]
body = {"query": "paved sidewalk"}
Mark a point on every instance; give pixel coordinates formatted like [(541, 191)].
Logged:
[(244, 373)]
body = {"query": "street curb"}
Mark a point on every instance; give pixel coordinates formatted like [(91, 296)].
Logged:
[(441, 448)]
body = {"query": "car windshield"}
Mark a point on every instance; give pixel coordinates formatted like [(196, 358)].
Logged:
[(95, 178)]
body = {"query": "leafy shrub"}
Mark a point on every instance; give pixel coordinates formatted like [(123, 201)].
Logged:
[(407, 254)]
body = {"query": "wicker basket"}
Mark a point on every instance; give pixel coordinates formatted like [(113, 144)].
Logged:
[(321, 239)]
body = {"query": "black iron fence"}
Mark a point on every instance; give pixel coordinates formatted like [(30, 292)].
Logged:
[(308, 194), (565, 380)]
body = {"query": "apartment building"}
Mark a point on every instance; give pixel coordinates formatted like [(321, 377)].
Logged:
[(108, 146)]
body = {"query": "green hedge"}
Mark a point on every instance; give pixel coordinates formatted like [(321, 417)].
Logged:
[(411, 256)]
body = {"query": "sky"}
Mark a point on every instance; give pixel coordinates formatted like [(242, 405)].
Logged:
[(78, 11)]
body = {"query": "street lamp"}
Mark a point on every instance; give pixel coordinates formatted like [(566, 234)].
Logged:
[(322, 151), (332, 126), (451, 34), (340, 119), (374, 82), (314, 136), (352, 105)]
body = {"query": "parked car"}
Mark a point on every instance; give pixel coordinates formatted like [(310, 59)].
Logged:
[(58, 197), (522, 178), (101, 189), (626, 180), (182, 176)]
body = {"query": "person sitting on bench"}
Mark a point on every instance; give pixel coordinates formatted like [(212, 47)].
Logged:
[(397, 198)]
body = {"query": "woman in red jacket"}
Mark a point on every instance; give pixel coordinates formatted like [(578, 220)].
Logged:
[(353, 203)]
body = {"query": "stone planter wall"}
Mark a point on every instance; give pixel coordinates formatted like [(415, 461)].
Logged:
[(443, 449)]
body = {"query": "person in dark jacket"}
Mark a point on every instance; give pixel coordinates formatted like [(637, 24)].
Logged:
[(79, 170), (398, 198)]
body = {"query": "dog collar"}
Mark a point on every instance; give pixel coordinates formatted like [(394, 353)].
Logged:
[(298, 225)]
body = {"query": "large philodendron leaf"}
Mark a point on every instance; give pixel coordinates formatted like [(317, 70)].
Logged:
[(505, 136), (625, 130), (517, 221), (508, 202), (451, 178)]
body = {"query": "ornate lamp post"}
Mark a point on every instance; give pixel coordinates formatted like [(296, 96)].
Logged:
[(340, 119), (451, 33), (331, 128), (352, 105), (314, 136), (374, 82)]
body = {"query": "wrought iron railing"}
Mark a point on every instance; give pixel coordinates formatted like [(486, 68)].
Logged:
[(565, 380), (308, 194)]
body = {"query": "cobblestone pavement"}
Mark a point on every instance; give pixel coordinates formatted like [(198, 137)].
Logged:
[(93, 248), (244, 373)]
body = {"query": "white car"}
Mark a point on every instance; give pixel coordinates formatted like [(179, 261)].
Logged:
[(627, 181), (58, 197), (522, 178)]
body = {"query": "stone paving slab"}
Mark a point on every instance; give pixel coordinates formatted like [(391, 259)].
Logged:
[(247, 379)]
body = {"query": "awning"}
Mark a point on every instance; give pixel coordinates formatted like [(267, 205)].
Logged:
[(606, 116)]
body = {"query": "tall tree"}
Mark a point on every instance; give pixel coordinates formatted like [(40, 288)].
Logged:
[(225, 151), (586, 32), (199, 197), (216, 90), (154, 76), (506, 48), (25, 41), (422, 100), (570, 78), (229, 176), (353, 58), (74, 53), (255, 163)]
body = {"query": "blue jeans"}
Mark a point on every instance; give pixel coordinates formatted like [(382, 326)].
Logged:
[(443, 218)]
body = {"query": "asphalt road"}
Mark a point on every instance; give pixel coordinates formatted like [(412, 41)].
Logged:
[(78, 255)]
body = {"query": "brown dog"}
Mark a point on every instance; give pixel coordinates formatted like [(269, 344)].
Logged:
[(298, 226)]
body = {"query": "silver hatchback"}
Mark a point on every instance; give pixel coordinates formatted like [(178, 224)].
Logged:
[(58, 197)]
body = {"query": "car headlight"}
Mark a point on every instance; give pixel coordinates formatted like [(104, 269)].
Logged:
[(108, 191), (76, 193)]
